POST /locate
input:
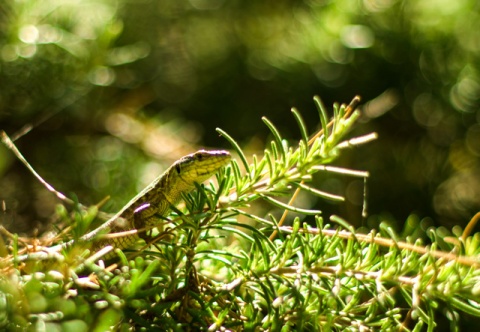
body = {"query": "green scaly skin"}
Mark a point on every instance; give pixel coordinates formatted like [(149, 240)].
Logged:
[(155, 201)]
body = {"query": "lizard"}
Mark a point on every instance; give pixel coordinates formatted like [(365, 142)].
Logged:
[(149, 207)]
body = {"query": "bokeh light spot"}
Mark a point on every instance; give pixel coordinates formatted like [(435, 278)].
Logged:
[(103, 76), (426, 110), (29, 34), (9, 53), (357, 36)]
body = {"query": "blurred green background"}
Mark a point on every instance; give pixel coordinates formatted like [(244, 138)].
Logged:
[(114, 91)]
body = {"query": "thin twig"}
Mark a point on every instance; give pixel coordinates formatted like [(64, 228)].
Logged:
[(387, 243), (470, 226), (348, 111), (9, 144)]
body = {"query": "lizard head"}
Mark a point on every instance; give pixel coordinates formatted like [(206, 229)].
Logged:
[(199, 166)]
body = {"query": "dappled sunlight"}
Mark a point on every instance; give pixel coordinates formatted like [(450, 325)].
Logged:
[(161, 76), (99, 97)]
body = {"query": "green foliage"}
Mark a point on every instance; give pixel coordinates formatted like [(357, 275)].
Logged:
[(77, 71), (221, 265), (102, 82)]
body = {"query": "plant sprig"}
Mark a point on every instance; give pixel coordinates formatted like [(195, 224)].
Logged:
[(220, 265)]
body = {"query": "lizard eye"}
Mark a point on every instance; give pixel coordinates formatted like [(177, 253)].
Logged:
[(177, 168), (199, 157)]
